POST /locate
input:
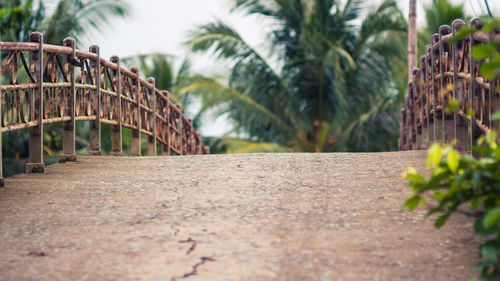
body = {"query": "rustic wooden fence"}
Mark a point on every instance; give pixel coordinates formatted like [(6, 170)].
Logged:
[(447, 73), (65, 85)]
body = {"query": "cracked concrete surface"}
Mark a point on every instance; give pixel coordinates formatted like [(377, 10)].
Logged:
[(227, 217)]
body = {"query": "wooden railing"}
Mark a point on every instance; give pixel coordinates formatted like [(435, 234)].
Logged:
[(50, 84), (449, 74)]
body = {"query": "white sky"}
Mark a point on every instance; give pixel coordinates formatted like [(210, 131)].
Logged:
[(163, 25)]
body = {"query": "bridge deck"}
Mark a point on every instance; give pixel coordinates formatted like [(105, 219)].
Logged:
[(226, 217)]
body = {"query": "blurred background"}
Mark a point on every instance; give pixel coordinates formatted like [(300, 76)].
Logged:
[(254, 75)]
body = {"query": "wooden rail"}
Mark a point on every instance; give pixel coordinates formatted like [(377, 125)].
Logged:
[(63, 84), (448, 73)]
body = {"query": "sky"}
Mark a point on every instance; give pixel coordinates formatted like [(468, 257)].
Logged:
[(163, 26)]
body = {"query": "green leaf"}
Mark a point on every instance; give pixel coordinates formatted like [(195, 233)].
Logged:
[(491, 139), (453, 160), (441, 220), (434, 155), (474, 203), (415, 178), (496, 115), (489, 26), (453, 106), (490, 69), (483, 51), (413, 202), (480, 229), (490, 252), (462, 34), (491, 217)]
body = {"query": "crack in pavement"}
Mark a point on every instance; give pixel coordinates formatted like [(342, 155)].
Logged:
[(195, 268), (193, 245)]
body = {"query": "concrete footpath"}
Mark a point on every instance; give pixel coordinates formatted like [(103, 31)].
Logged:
[(227, 217)]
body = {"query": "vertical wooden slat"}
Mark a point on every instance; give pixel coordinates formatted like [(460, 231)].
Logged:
[(95, 125), (166, 147), (116, 130), (36, 164), (461, 131), (152, 118), (181, 129), (69, 126), (191, 139), (135, 149), (2, 181), (435, 90), (448, 119), (473, 99), (425, 102), (430, 97)]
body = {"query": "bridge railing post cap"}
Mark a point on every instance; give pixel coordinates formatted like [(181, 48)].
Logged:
[(114, 59), (435, 37), (36, 37), (69, 42), (476, 23), (94, 49), (458, 24), (444, 29)]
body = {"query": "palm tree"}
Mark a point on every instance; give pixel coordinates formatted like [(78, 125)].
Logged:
[(334, 90), (442, 12), (18, 17), (439, 12), (69, 18)]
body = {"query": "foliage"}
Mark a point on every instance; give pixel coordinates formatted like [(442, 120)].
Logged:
[(167, 77), (333, 88), (442, 12), (69, 18), (234, 146), (462, 180), (437, 13), (18, 17)]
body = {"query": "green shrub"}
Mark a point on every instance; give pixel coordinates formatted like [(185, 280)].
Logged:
[(463, 183)]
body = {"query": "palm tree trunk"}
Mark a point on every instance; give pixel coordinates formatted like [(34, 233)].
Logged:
[(412, 38)]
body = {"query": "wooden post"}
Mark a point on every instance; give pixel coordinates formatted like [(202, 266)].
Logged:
[(166, 147), (199, 144), (430, 97), (461, 132), (412, 38), (152, 118), (448, 119), (425, 102), (35, 164), (135, 149), (68, 154), (116, 130), (417, 108), (438, 125), (181, 129), (494, 94), (95, 125), (191, 140), (474, 23), (2, 181)]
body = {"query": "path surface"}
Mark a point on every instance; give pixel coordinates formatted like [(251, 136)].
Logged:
[(227, 217)]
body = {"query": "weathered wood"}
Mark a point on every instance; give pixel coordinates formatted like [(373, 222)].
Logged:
[(36, 164)]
